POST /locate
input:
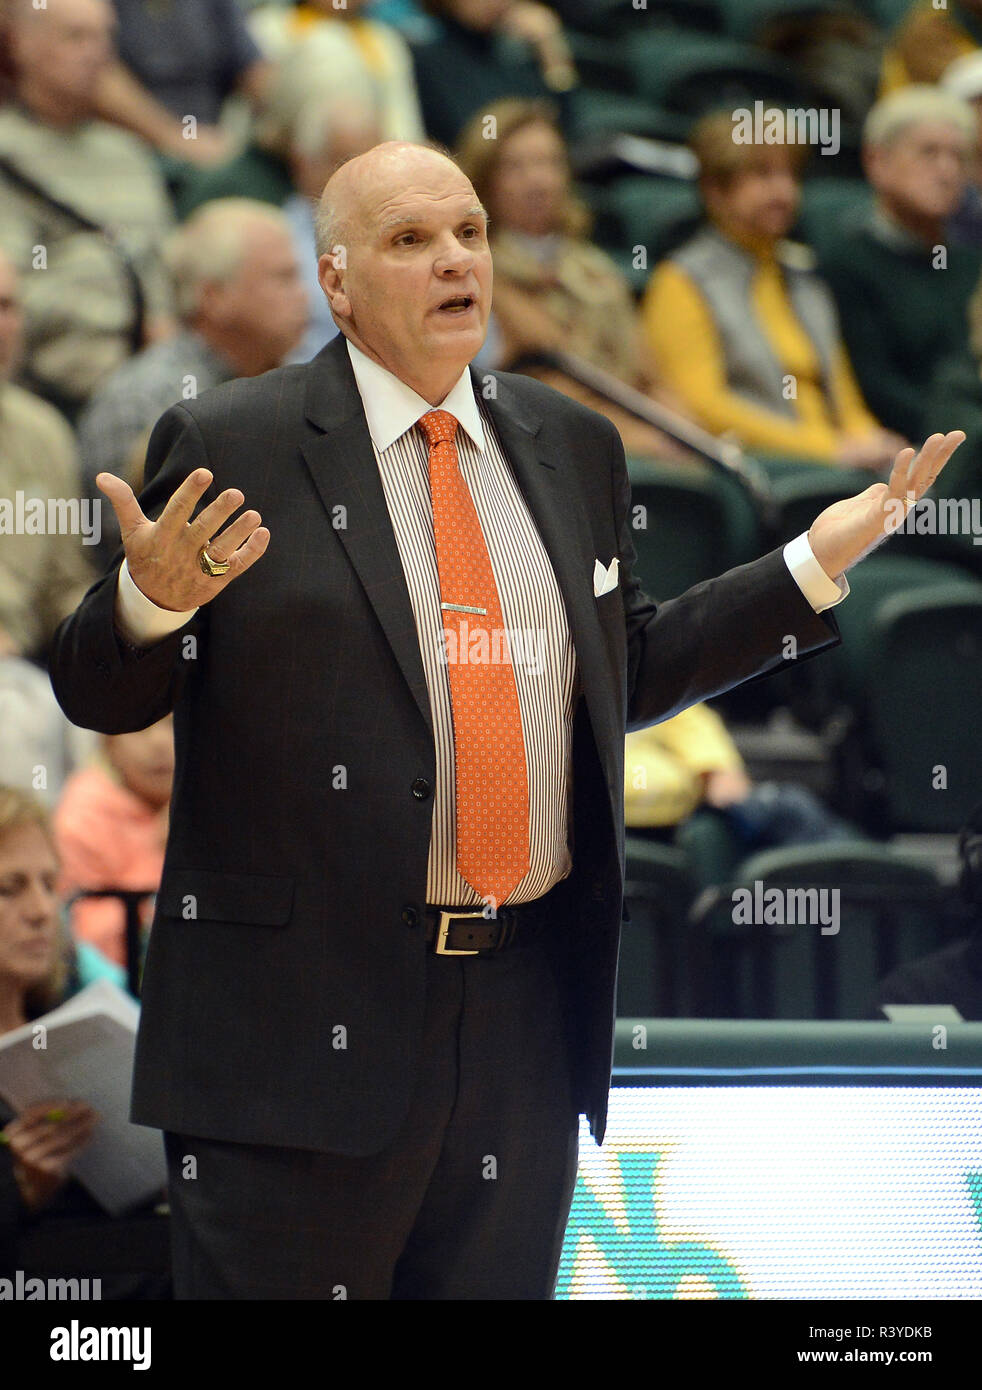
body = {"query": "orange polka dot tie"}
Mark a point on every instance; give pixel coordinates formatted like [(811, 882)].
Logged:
[(489, 747)]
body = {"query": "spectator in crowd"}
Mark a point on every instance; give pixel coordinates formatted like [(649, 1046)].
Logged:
[(191, 55), (47, 1219), (118, 95), (484, 51), (964, 79), (352, 58), (39, 748), (689, 767), (953, 974), (901, 288), (82, 208), (324, 135), (931, 37), (243, 308), (743, 329), (111, 830), (302, 138), (261, 168), (42, 575), (552, 287)]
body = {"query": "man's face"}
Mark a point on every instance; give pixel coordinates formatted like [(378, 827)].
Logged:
[(530, 181), (266, 302), (923, 171), (64, 48), (416, 288), (762, 200), (11, 320)]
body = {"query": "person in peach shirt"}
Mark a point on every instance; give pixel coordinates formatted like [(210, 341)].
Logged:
[(111, 829)]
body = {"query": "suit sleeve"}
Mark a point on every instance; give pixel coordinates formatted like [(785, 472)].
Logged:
[(99, 680), (747, 623)]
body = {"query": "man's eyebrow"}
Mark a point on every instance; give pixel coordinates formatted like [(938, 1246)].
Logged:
[(414, 219)]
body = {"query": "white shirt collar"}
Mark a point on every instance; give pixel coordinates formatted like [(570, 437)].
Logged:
[(392, 407)]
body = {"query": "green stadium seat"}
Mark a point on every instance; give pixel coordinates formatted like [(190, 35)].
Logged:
[(924, 668), (623, 18), (801, 492), (597, 114), (824, 203), (746, 19), (696, 73), (872, 583), (696, 523), (652, 972), (711, 847), (890, 909), (644, 210), (601, 61)]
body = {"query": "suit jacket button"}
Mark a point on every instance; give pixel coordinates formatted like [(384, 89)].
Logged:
[(410, 916), (421, 789)]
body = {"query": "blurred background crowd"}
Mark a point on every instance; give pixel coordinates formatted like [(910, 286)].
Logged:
[(765, 323)]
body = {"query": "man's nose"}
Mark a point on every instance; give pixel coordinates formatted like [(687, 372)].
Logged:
[(452, 256)]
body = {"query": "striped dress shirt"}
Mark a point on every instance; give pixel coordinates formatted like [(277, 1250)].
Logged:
[(539, 639)]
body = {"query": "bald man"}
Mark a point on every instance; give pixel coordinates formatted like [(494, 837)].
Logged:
[(379, 991)]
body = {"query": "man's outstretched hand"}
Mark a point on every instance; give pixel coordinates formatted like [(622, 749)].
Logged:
[(845, 532), (162, 555)]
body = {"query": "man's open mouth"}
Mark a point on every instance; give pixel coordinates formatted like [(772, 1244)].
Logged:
[(459, 304)]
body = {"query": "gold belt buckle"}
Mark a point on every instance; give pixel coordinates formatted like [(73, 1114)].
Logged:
[(443, 930)]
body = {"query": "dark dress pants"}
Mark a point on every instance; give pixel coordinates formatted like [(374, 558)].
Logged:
[(469, 1202)]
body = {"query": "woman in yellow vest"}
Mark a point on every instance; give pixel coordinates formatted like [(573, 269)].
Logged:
[(743, 330)]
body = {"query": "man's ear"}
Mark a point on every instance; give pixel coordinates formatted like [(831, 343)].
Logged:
[(331, 270)]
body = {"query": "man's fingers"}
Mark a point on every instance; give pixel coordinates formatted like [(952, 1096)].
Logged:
[(925, 470), (224, 546), (897, 485), (246, 555), (911, 479), (214, 516), (181, 504), (123, 499)]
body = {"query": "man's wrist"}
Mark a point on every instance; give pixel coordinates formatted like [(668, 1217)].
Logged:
[(139, 621), (820, 591)]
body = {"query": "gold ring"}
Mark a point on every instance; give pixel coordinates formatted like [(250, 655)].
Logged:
[(211, 567)]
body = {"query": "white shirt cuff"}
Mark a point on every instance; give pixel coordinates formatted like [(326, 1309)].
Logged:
[(820, 591), (140, 620)]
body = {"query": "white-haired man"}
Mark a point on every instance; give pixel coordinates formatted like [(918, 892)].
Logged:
[(901, 289), (243, 308)]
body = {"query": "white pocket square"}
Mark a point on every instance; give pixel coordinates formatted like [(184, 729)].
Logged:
[(604, 579)]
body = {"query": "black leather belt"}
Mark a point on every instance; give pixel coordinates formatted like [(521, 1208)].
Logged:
[(462, 932)]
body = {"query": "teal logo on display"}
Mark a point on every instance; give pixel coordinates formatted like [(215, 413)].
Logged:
[(974, 1181), (605, 1258)]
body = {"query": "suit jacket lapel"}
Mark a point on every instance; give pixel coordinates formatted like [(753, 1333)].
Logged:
[(345, 472)]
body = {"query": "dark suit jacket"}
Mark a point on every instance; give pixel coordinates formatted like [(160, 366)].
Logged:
[(309, 884)]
